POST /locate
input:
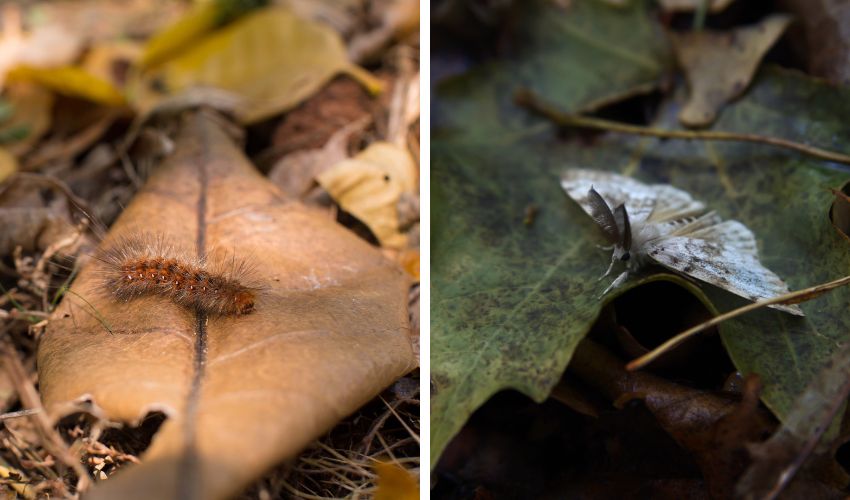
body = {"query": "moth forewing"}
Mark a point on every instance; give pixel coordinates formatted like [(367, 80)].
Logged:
[(671, 229), (601, 213), (621, 216)]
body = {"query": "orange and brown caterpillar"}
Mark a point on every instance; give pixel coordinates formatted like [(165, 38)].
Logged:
[(145, 266)]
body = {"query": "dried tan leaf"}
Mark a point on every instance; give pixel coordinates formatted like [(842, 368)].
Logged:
[(271, 57), (329, 331), (296, 173), (720, 65), (370, 186)]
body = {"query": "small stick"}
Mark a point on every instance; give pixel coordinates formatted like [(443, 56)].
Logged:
[(789, 298), (19, 413), (528, 99)]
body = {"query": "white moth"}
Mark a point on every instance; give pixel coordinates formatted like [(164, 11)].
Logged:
[(664, 225)]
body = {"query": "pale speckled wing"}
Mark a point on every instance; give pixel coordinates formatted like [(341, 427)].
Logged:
[(652, 202), (615, 189), (721, 262), (730, 233)]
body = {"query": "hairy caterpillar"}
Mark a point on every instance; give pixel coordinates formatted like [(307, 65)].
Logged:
[(145, 265)]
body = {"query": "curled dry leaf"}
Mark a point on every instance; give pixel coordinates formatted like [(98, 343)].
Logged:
[(370, 186), (297, 58), (329, 330), (720, 65), (296, 173)]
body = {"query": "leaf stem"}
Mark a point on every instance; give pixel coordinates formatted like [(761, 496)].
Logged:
[(789, 298), (528, 99)]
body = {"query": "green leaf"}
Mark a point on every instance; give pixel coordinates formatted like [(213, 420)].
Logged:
[(511, 301), (578, 57), (784, 198)]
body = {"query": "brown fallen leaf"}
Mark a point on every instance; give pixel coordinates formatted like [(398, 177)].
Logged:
[(714, 428), (720, 65), (241, 393), (370, 186), (296, 173)]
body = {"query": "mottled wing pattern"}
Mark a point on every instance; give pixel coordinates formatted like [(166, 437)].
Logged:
[(730, 233), (614, 188), (720, 261)]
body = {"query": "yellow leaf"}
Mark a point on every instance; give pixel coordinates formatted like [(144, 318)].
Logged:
[(369, 187), (271, 58), (72, 81), (395, 483), (200, 20)]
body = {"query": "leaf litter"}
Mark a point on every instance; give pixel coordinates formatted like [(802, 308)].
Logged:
[(97, 156), (488, 176)]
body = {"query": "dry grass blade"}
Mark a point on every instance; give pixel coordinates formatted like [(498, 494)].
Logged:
[(30, 399), (789, 298)]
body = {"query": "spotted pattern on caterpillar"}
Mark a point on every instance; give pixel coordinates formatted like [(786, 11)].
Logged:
[(145, 265)]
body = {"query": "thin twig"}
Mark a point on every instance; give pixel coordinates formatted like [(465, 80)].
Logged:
[(19, 413), (528, 99), (789, 298)]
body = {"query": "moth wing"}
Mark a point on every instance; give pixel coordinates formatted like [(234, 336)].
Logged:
[(673, 204), (723, 265), (615, 189), (730, 233)]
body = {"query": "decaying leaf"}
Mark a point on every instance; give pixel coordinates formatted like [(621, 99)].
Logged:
[(693, 5), (720, 65), (297, 58), (370, 186), (777, 460), (714, 428), (329, 330)]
